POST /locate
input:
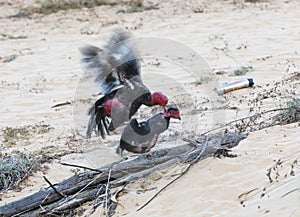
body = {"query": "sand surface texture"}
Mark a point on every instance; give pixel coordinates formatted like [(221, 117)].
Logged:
[(45, 70)]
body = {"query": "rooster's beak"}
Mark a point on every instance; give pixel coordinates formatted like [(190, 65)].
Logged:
[(179, 118)]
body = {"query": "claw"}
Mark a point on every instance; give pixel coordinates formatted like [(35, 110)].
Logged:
[(119, 151)]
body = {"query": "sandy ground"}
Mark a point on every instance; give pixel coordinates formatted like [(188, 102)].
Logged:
[(227, 35)]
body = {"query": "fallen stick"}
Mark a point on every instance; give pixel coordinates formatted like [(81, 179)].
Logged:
[(61, 104), (90, 185), (178, 177)]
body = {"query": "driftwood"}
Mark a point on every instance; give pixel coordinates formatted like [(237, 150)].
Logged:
[(100, 185)]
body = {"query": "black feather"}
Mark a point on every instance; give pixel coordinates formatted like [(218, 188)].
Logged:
[(141, 137), (105, 123), (142, 128)]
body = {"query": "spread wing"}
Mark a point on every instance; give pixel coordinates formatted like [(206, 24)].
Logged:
[(122, 50), (115, 64)]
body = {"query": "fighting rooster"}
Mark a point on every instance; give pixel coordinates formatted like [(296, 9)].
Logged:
[(117, 70)]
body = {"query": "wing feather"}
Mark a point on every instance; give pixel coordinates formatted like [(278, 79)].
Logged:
[(114, 64), (141, 129)]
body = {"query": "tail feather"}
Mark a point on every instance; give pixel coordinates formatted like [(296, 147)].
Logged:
[(105, 123), (92, 123), (98, 122), (100, 129)]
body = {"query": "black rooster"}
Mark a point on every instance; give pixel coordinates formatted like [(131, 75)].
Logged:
[(141, 137)]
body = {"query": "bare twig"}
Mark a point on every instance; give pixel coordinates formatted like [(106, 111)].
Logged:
[(191, 141), (245, 118), (61, 104), (81, 190), (96, 203), (82, 167), (106, 192), (178, 177), (52, 186)]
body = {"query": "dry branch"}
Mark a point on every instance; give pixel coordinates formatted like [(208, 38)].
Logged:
[(90, 185)]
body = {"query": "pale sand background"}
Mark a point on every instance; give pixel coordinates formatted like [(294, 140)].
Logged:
[(228, 36)]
